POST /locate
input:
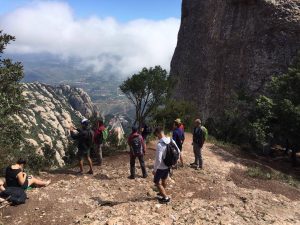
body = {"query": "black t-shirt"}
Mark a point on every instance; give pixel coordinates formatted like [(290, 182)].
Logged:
[(11, 177)]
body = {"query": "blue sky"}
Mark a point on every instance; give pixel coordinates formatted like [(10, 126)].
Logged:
[(122, 10)]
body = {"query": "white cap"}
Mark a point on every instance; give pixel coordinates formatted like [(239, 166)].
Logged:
[(84, 121)]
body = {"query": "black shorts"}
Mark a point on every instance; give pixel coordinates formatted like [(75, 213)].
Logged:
[(82, 154), (161, 175)]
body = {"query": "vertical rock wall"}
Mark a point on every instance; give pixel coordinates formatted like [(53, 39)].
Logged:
[(232, 45)]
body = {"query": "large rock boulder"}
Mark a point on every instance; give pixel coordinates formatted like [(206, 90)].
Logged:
[(50, 113), (232, 45)]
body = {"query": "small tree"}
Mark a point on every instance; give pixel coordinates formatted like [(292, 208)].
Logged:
[(11, 103), (146, 90)]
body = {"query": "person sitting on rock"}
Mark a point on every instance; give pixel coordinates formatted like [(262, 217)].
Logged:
[(16, 177), (84, 136), (160, 170), (137, 150)]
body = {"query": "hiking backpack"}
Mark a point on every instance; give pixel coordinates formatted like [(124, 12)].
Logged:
[(100, 136), (136, 145), (15, 195), (105, 134), (205, 131), (172, 154)]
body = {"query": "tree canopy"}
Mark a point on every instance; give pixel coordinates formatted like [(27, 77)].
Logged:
[(146, 90), (11, 103)]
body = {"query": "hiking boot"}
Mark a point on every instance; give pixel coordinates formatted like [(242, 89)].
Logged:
[(90, 172), (164, 200), (131, 177), (145, 175)]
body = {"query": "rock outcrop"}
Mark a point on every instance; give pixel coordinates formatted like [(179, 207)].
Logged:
[(232, 45), (78, 99), (50, 113)]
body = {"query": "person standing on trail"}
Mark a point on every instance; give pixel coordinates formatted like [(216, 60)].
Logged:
[(181, 126), (145, 131), (137, 150), (84, 136), (99, 140), (178, 137), (161, 170), (198, 142)]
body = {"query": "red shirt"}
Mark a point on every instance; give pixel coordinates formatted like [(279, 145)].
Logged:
[(181, 127)]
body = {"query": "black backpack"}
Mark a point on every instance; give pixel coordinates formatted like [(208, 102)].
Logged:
[(15, 195), (172, 154), (136, 145)]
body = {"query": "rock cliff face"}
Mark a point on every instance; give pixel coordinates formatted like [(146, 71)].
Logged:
[(232, 45), (50, 113)]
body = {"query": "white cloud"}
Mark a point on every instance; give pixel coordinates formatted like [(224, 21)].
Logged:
[(51, 27)]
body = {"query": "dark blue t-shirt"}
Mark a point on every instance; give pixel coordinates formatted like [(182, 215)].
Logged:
[(178, 137)]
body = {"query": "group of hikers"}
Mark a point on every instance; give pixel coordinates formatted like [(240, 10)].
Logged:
[(168, 155), (168, 151)]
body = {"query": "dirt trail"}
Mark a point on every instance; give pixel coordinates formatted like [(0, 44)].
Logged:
[(222, 193)]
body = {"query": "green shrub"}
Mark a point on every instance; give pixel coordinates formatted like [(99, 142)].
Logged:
[(173, 109)]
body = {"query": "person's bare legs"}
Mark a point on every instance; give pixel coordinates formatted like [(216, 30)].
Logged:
[(1, 186), (90, 163), (164, 183), (37, 182), (181, 159), (81, 165), (162, 190)]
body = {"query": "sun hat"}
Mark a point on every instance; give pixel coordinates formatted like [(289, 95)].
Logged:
[(177, 121)]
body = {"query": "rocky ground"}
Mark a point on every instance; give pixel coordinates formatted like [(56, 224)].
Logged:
[(222, 193)]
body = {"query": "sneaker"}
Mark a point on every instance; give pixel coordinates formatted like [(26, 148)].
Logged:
[(164, 200), (79, 173), (159, 196), (145, 175), (193, 164), (198, 168), (90, 172), (131, 177)]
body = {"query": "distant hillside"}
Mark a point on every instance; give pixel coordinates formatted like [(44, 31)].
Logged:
[(50, 113)]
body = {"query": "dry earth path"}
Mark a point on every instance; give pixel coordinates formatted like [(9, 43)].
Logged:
[(222, 193)]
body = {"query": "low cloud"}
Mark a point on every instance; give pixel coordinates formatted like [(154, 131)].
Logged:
[(100, 43)]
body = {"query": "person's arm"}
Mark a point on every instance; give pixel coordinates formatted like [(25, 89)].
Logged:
[(174, 135), (183, 137), (21, 177), (75, 135), (158, 158)]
